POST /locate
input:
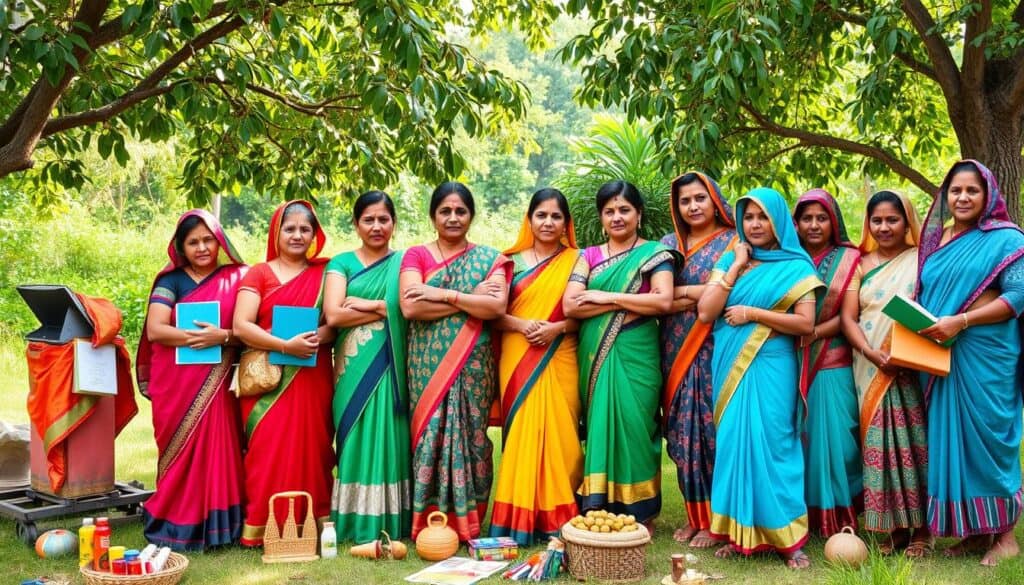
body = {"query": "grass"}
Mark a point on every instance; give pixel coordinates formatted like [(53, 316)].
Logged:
[(136, 459)]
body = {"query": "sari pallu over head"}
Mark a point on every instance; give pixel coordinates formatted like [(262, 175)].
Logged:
[(622, 273), (219, 286), (697, 331), (305, 290), (785, 274), (836, 266), (536, 293), (988, 248)]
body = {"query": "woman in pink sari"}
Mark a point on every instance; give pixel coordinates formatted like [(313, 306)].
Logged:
[(289, 429), (199, 492)]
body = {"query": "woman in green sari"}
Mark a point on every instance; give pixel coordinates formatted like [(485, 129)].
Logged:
[(450, 288), (371, 404), (617, 289)]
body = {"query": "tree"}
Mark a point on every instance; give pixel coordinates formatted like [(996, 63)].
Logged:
[(293, 97), (818, 87)]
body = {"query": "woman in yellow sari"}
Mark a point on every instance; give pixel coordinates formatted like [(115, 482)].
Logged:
[(542, 463)]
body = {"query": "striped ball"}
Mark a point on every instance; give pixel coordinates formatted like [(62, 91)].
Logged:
[(56, 543)]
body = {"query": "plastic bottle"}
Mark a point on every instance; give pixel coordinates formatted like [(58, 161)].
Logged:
[(131, 559), (146, 557), (161, 559), (85, 542), (101, 546), (328, 541)]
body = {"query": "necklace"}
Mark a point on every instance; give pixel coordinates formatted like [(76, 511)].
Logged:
[(536, 257), (444, 260), (194, 274), (608, 246)]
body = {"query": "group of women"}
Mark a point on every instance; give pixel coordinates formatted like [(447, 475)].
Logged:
[(753, 342)]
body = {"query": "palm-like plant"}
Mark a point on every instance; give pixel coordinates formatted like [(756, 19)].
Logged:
[(616, 150)]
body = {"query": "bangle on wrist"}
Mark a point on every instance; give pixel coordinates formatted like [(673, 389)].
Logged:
[(686, 292), (284, 345), (966, 324), (456, 300), (227, 336), (814, 332)]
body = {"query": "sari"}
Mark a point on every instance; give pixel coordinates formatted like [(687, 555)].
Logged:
[(686, 349), (288, 429), (371, 409), (452, 386), (834, 475), (195, 418), (542, 462), (974, 413), (620, 387), (892, 412), (754, 373)]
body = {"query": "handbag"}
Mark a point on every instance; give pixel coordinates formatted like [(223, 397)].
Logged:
[(256, 375)]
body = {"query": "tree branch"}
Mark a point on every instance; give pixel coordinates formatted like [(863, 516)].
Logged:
[(946, 72), (973, 68), (825, 141), (1018, 14)]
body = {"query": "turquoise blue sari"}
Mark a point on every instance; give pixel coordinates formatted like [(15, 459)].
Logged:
[(974, 413), (757, 490)]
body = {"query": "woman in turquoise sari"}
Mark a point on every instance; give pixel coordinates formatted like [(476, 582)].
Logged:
[(761, 296), (972, 277), (617, 289), (371, 403), (831, 421)]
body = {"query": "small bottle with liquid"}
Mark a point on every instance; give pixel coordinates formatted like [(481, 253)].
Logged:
[(328, 541)]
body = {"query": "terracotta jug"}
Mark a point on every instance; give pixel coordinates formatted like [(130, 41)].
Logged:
[(846, 547), (437, 541)]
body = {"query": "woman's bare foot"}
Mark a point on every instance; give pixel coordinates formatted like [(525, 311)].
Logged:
[(970, 545), (702, 539), (797, 559), (684, 534), (725, 551), (1003, 547)]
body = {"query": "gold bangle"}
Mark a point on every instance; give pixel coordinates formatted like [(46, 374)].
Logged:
[(686, 292), (814, 332), (448, 296), (964, 315), (227, 336)]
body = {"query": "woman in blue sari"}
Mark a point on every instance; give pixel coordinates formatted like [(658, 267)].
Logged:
[(761, 296), (972, 276)]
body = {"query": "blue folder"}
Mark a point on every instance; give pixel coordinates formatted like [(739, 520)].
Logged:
[(186, 314), (287, 322)]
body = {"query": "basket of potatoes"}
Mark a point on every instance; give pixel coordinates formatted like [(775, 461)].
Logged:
[(606, 546)]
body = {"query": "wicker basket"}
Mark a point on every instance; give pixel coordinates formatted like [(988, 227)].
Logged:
[(615, 556), (170, 575), (284, 544)]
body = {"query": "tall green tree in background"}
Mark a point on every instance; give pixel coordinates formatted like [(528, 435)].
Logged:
[(817, 88), (294, 97)]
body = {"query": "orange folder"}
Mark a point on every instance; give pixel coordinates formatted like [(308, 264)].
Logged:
[(907, 349)]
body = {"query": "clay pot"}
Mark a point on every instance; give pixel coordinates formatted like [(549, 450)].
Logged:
[(846, 547), (382, 548), (437, 541)]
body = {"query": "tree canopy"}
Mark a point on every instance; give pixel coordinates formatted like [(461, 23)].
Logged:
[(296, 97), (817, 88)]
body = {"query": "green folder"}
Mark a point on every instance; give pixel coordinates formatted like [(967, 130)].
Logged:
[(912, 315)]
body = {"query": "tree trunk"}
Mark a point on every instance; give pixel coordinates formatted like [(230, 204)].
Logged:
[(999, 148)]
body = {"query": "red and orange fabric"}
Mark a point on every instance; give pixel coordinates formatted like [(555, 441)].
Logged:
[(55, 411)]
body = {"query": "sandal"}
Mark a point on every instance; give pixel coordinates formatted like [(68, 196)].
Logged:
[(797, 560), (893, 541), (920, 547)]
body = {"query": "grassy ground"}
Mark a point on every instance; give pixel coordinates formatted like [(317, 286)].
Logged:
[(136, 459)]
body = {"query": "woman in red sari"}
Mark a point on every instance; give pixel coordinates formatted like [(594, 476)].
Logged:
[(195, 418), (289, 429)]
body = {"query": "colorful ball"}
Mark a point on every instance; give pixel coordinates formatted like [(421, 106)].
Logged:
[(56, 543)]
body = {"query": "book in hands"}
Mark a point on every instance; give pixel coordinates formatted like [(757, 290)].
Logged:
[(185, 317), (913, 316), (287, 322), (916, 352), (95, 369)]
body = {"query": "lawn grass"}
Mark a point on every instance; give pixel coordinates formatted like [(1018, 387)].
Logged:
[(136, 459)]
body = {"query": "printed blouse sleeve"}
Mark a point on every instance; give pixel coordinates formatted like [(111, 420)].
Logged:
[(165, 291), (1011, 283)]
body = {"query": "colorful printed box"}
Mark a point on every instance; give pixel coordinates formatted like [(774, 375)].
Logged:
[(501, 548)]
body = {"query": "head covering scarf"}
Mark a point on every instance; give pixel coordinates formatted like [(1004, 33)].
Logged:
[(775, 208), (868, 243), (227, 255), (277, 220), (835, 215), (723, 210), (526, 239), (993, 215)]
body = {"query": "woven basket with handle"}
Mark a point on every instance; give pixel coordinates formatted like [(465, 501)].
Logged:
[(285, 544), (169, 575), (607, 556)]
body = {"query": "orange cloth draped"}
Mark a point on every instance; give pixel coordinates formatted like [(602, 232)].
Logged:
[(55, 411)]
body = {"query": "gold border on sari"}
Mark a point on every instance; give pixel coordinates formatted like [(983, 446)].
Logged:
[(752, 537), (625, 493), (753, 345)]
